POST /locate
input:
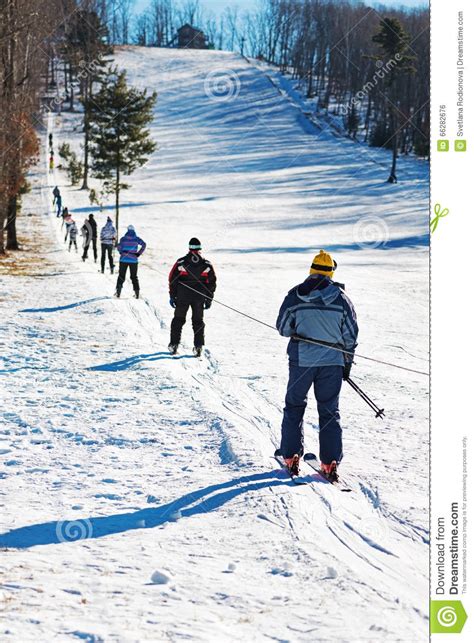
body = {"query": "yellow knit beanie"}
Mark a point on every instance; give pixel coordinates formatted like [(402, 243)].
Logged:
[(323, 264)]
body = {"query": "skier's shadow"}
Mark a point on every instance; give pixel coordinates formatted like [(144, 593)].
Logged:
[(56, 309), (129, 362), (192, 504)]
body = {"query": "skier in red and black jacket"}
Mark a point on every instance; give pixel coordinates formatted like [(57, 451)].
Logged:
[(192, 282)]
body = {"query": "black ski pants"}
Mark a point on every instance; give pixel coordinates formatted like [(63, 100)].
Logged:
[(106, 249), (94, 248), (181, 310), (123, 266)]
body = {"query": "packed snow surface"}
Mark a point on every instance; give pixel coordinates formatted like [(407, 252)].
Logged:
[(141, 501)]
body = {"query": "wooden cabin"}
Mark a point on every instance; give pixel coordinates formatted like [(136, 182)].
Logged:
[(189, 37)]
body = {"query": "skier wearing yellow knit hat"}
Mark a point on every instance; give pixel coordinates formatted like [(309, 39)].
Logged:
[(317, 309)]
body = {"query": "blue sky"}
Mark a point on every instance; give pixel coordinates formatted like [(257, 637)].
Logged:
[(218, 5)]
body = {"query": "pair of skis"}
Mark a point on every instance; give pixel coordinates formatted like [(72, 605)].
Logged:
[(312, 461)]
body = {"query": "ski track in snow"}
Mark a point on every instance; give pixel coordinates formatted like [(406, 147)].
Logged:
[(141, 501)]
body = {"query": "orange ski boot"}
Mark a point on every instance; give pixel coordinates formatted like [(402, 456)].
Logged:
[(329, 471), (293, 465)]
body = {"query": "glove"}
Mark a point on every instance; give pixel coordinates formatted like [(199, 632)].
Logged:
[(207, 304), (173, 302), (347, 370)]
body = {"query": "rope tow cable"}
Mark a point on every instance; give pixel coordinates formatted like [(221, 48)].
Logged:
[(299, 338)]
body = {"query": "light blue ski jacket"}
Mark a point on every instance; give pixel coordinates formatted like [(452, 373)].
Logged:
[(318, 309)]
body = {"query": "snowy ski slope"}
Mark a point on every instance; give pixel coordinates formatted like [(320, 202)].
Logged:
[(140, 499)]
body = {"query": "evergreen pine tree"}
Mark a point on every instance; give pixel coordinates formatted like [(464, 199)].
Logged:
[(394, 43), (120, 140)]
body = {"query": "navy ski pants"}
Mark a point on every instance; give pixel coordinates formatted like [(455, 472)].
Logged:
[(327, 382)]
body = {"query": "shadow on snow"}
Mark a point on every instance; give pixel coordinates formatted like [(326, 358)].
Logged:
[(191, 504), (405, 242), (56, 309), (140, 204), (106, 208), (129, 362)]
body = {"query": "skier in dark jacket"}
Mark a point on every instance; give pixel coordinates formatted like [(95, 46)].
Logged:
[(89, 230), (64, 216), (317, 309), (130, 248), (192, 283), (57, 199)]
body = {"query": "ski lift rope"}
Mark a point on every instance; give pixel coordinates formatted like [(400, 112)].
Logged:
[(301, 339)]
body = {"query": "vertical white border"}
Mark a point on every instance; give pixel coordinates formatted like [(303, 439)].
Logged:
[(452, 305)]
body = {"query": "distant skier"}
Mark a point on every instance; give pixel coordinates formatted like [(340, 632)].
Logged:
[(64, 216), (130, 248), (73, 235), (68, 221), (86, 237), (108, 236), (57, 199), (317, 309), (90, 236), (192, 283)]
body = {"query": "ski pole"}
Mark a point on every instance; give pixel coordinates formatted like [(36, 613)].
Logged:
[(366, 398), (379, 413)]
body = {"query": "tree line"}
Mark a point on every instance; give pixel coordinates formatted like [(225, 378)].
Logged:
[(55, 55), (24, 33), (369, 68)]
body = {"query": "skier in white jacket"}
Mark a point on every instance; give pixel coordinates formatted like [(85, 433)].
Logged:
[(108, 237), (72, 230)]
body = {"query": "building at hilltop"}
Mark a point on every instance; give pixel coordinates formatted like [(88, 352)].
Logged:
[(189, 37)]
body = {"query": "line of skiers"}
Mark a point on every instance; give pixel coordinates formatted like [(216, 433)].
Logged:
[(51, 153), (89, 233), (318, 309)]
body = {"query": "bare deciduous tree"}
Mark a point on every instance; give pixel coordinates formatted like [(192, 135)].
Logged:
[(28, 34)]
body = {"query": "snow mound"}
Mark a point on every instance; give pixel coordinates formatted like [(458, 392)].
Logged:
[(159, 578)]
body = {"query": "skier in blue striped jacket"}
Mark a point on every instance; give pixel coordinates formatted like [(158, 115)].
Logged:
[(317, 309), (130, 247)]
